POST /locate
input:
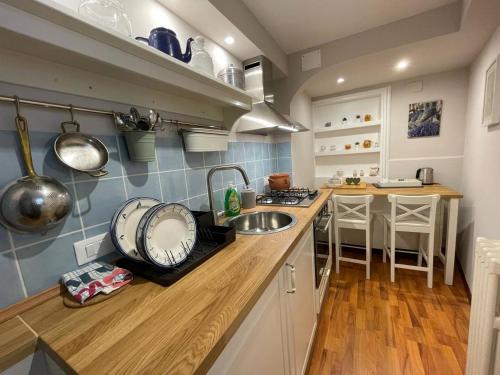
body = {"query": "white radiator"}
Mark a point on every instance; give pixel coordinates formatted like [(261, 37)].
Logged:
[(483, 353)]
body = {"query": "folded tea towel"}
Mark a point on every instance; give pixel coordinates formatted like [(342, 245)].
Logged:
[(94, 278)]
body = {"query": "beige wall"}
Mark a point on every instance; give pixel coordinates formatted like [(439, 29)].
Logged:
[(445, 152), (302, 143), (431, 24), (479, 212)]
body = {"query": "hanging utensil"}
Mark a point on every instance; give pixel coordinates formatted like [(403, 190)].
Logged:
[(124, 121), (143, 124), (33, 203), (79, 151), (154, 117), (135, 114)]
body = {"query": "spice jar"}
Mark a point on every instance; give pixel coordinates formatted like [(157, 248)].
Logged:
[(367, 143)]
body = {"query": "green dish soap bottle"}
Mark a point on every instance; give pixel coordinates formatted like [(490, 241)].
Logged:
[(232, 203)]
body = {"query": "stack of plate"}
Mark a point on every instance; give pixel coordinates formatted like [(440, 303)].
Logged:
[(146, 230)]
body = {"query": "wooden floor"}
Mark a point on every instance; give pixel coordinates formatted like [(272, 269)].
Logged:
[(377, 327)]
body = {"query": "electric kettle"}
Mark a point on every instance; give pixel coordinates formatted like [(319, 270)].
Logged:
[(426, 175)]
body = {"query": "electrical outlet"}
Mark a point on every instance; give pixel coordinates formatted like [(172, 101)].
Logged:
[(93, 248)]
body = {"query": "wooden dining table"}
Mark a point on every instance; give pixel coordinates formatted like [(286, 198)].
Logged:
[(449, 200)]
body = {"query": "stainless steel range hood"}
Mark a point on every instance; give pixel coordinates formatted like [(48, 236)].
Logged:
[(264, 118)]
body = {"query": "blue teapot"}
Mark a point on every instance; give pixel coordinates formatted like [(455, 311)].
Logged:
[(166, 41)]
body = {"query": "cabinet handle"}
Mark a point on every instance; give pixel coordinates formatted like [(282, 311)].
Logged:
[(328, 221), (292, 279)]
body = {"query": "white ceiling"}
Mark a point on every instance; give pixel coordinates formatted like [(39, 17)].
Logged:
[(300, 24), (425, 57), (428, 56), (209, 21)]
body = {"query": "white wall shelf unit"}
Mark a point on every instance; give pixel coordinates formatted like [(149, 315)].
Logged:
[(348, 152), (357, 160), (45, 30), (356, 125)]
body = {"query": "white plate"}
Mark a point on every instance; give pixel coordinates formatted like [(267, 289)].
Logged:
[(124, 225), (169, 235)]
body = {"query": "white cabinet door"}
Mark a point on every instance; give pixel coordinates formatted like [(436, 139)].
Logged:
[(259, 344), (299, 288)]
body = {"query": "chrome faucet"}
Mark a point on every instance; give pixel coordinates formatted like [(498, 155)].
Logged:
[(221, 167)]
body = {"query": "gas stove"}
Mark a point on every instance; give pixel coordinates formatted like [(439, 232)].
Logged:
[(298, 197)]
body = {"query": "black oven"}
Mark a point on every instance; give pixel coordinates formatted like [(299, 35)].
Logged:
[(321, 225)]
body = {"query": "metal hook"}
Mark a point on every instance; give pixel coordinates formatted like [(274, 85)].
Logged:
[(71, 113), (18, 105), (72, 122)]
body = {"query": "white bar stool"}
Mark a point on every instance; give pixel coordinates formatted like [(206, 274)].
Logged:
[(416, 214), (352, 212)]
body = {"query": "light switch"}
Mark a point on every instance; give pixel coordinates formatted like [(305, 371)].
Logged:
[(93, 248)]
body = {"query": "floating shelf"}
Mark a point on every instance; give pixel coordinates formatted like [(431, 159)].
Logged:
[(348, 152), (43, 29), (357, 125)]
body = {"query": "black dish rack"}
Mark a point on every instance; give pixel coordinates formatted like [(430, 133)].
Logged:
[(210, 240)]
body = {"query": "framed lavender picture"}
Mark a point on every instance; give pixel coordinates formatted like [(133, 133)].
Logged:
[(424, 119), (491, 107)]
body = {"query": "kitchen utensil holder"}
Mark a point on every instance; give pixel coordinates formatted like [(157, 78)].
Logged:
[(210, 240), (140, 145)]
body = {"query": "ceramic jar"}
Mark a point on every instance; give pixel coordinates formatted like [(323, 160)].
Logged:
[(279, 181)]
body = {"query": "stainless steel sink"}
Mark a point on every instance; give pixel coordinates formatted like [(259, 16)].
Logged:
[(262, 222)]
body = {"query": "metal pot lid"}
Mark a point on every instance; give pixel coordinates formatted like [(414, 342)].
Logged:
[(231, 69)]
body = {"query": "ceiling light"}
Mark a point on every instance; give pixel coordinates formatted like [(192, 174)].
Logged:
[(402, 65), (229, 39), (340, 80)]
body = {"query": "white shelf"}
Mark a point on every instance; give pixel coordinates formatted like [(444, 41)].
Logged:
[(348, 152), (357, 125), (43, 30)]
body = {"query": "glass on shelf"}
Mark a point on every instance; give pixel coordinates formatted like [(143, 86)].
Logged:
[(201, 59), (109, 13)]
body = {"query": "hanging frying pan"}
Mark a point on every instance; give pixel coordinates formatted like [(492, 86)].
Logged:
[(79, 151)]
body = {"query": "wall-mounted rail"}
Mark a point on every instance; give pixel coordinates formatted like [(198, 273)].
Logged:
[(38, 103)]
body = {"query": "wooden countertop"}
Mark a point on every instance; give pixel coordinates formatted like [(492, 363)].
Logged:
[(176, 330), (17, 341), (443, 191)]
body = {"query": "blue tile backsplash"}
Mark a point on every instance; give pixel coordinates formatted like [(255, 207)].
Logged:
[(31, 263)]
